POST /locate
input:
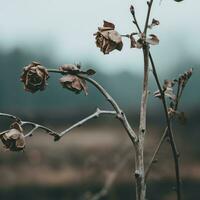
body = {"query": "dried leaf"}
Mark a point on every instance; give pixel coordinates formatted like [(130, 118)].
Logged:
[(154, 23)]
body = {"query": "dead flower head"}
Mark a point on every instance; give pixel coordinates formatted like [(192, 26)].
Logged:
[(72, 81), (14, 138), (34, 77), (107, 39)]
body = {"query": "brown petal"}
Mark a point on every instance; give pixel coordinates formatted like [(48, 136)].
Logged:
[(67, 78), (84, 86), (115, 36), (108, 24), (20, 142), (76, 84)]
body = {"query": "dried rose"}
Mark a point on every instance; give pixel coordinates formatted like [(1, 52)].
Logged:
[(34, 77), (107, 39), (14, 138), (72, 81)]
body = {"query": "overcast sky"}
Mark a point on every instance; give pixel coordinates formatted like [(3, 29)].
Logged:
[(66, 28)]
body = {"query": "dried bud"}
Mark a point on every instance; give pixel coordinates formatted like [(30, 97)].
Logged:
[(107, 39), (132, 10), (14, 138), (74, 83), (34, 77), (70, 68), (183, 78)]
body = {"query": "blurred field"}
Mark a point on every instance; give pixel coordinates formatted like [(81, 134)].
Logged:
[(79, 165)]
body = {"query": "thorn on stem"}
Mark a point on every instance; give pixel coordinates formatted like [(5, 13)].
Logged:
[(56, 138)]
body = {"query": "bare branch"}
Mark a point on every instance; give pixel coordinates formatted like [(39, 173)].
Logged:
[(34, 125), (94, 115), (149, 3), (111, 178), (169, 132), (120, 114), (148, 168), (9, 116)]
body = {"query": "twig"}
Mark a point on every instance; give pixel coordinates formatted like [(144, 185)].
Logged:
[(111, 178), (94, 115), (135, 20), (169, 132), (149, 3), (120, 114), (148, 168), (34, 125)]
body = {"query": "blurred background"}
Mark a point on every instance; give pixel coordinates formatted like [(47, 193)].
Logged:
[(78, 166)]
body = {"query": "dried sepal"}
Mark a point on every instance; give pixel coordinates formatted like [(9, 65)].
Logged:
[(13, 139), (153, 40), (34, 77), (154, 23), (107, 39)]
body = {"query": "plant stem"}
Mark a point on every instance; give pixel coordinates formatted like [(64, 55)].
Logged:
[(169, 132), (139, 159)]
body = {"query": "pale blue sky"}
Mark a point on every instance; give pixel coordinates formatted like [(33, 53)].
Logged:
[(66, 28)]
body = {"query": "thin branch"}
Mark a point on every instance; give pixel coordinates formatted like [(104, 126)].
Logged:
[(148, 168), (94, 115), (9, 116), (38, 126), (120, 114), (169, 132), (149, 3), (135, 21), (34, 125), (111, 178)]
